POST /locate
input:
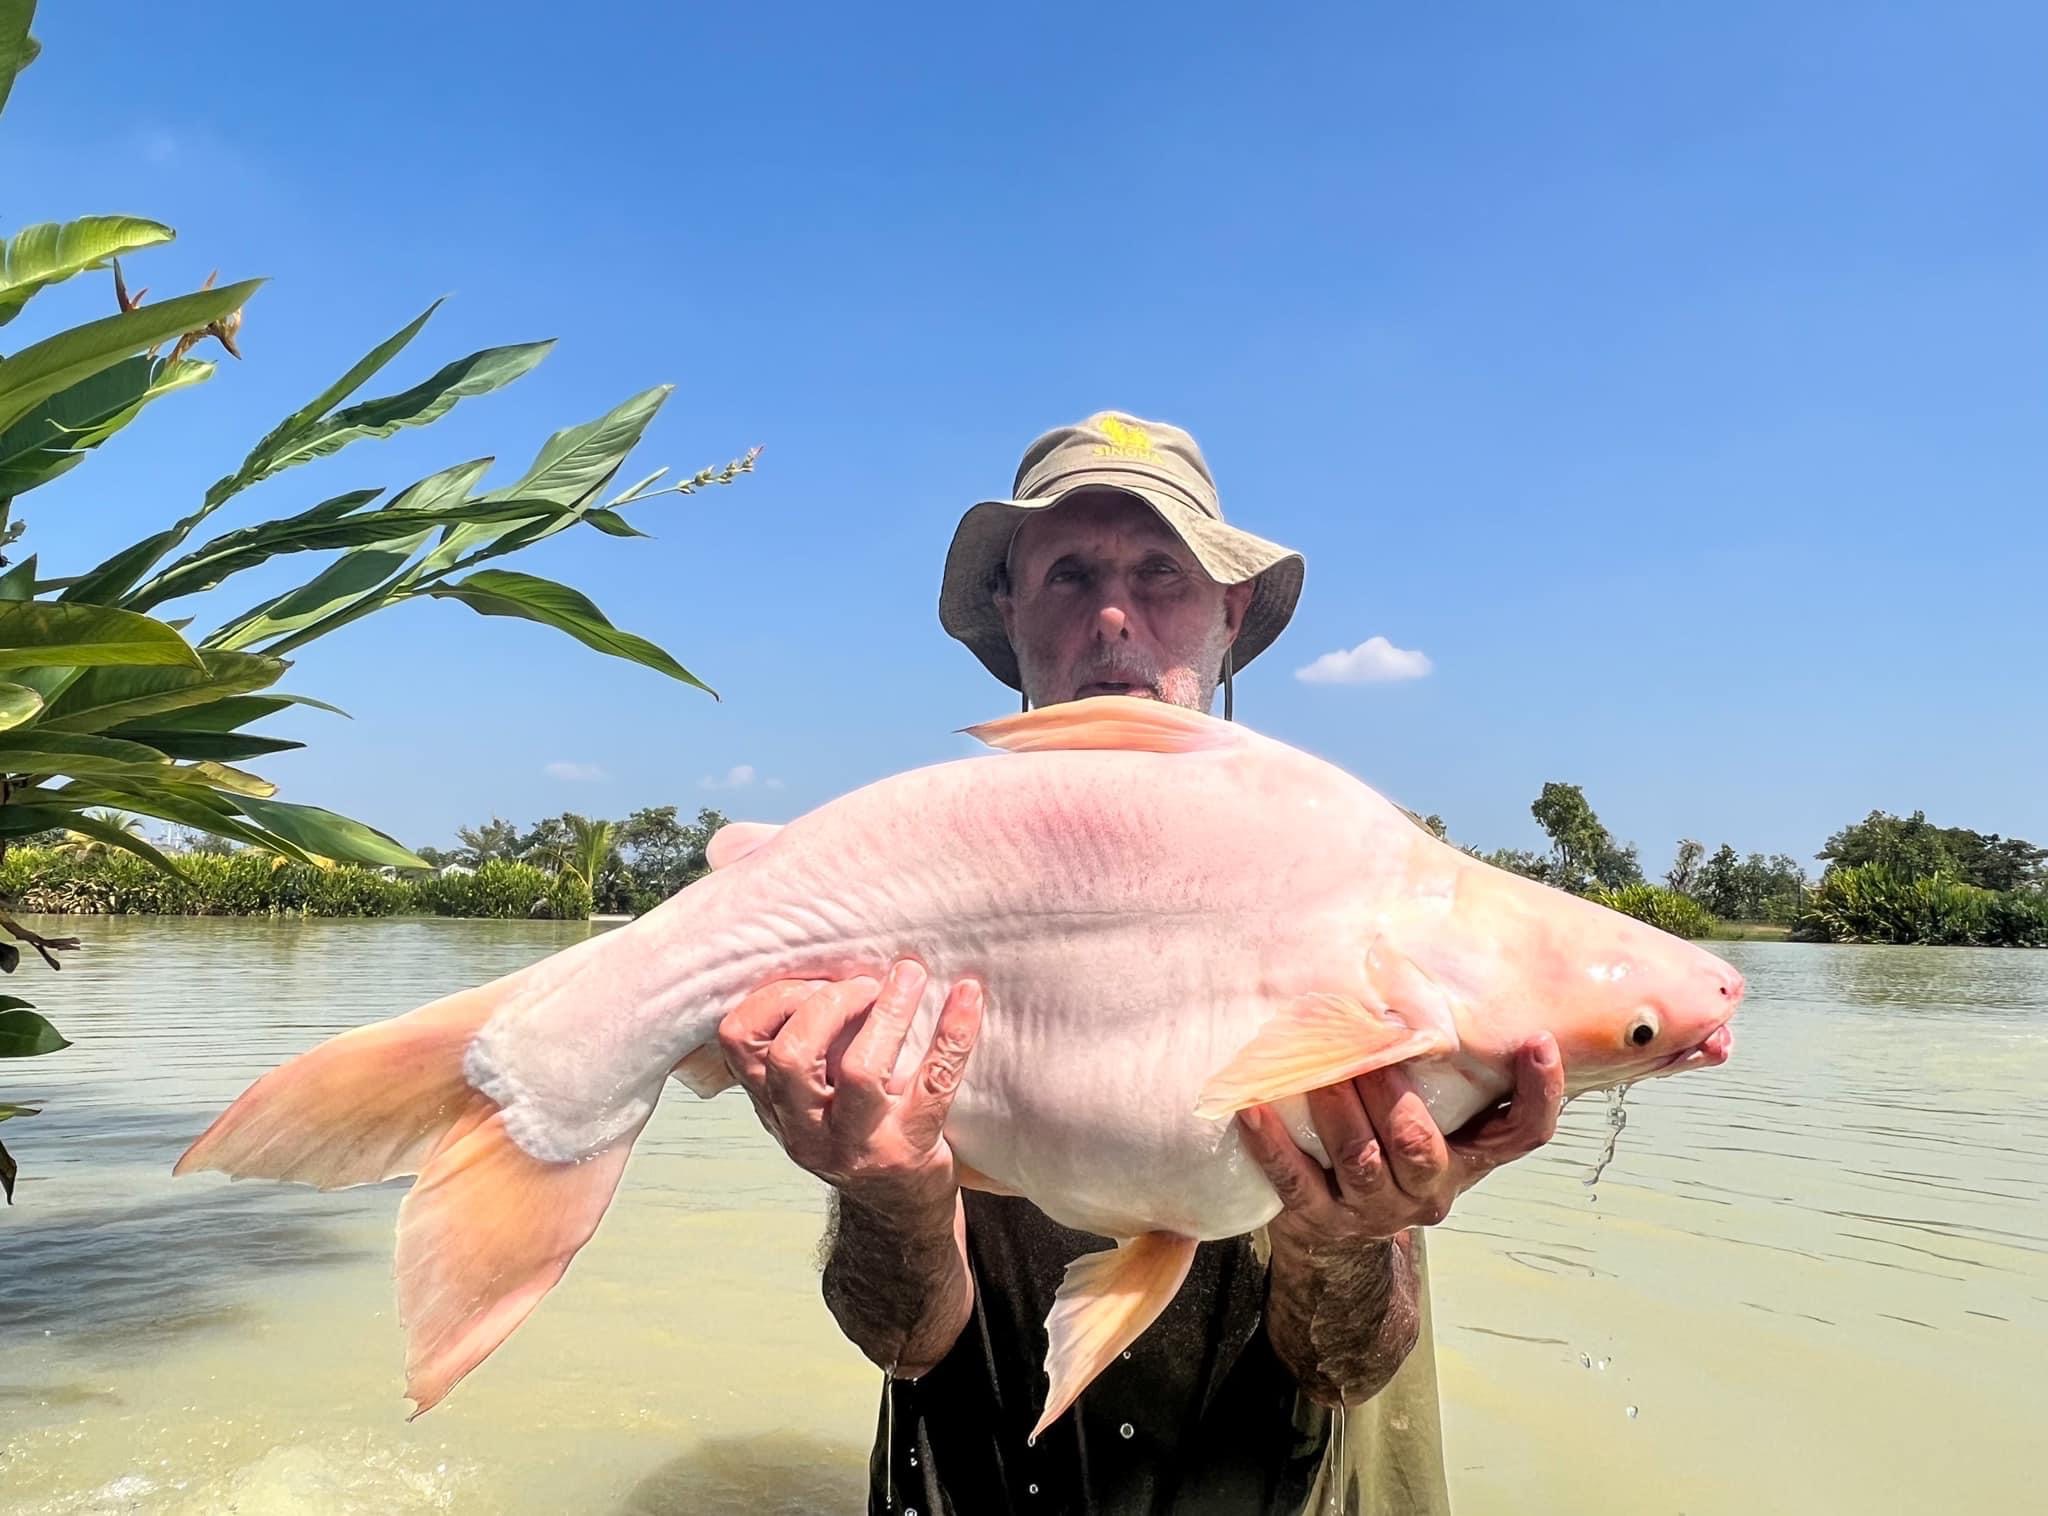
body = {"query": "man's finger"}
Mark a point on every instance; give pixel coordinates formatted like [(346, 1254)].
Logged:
[(794, 1071), (1531, 1117), (861, 1085), (1296, 1178), (1348, 1142), (1415, 1151), (929, 1099), (746, 1030)]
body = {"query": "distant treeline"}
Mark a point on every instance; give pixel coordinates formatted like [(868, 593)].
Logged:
[(1886, 879)]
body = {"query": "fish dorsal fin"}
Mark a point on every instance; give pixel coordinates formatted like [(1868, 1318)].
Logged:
[(1108, 721), (733, 841)]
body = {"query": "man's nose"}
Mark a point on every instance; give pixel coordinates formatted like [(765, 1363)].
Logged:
[(1111, 625)]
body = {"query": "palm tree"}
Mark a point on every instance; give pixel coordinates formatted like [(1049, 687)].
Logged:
[(83, 845)]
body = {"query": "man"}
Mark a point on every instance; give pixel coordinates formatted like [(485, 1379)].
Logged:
[(1112, 571)]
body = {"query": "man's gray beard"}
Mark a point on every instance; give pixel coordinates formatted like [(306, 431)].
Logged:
[(1113, 663)]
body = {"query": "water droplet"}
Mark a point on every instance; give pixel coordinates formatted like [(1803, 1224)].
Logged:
[(1602, 1364), (1127, 1430), (1127, 1353), (1585, 1362), (1031, 1490), (910, 1510), (1631, 1413), (1031, 1441), (1592, 1200)]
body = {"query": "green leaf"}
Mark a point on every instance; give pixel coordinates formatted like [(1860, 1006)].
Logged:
[(611, 523), (203, 810), (219, 776), (501, 592), (571, 468), (329, 835), (36, 751), (235, 711), (24, 1034), (128, 842), (120, 573), (18, 703), (8, 1110), (41, 634), (19, 582), (220, 747), (17, 51), (43, 368), (288, 432), (372, 528), (111, 696), (8, 1170), (229, 543), (55, 436), (359, 581), (46, 254), (427, 401)]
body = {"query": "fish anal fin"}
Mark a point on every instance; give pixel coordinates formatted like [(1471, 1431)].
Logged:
[(703, 1072), (1106, 1300), (1316, 1041), (972, 1178), (1108, 721), (485, 1234), (733, 841)]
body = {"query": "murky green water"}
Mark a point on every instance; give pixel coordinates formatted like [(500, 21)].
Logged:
[(1819, 1275)]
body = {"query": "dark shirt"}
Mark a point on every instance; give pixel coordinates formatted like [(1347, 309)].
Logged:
[(1198, 1417)]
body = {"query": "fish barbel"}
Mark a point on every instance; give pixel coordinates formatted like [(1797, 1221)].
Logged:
[(1172, 918)]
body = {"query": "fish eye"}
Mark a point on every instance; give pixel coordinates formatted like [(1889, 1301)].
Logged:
[(1644, 1030)]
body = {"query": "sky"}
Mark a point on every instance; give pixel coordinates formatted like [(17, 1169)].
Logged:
[(1662, 386)]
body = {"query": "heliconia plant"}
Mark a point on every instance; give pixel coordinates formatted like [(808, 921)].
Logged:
[(105, 705)]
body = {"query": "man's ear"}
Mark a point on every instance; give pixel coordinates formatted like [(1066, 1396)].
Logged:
[(1007, 609), (1236, 597)]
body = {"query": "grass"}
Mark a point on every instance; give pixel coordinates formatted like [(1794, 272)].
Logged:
[(1749, 931)]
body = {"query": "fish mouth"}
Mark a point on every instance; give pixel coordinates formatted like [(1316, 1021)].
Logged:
[(1710, 1052)]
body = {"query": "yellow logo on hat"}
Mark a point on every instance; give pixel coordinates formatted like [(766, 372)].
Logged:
[(1125, 440)]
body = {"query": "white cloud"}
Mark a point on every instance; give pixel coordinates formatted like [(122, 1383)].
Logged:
[(738, 777), (575, 773), (1373, 661)]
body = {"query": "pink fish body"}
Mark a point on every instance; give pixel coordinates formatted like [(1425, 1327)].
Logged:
[(1172, 917)]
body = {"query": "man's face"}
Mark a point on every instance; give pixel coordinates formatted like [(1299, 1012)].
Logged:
[(1104, 600)]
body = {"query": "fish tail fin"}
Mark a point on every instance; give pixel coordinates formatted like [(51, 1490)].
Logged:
[(366, 1105), (485, 1234), (488, 1229)]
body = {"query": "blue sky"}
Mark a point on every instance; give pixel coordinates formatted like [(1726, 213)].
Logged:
[(1670, 378)]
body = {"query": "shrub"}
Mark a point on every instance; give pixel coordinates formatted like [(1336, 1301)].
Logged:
[(1665, 909)]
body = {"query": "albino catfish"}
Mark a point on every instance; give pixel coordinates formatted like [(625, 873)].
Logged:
[(1172, 918)]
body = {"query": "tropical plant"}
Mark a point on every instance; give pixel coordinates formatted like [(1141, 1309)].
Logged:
[(105, 704), (89, 845), (1665, 909), (1877, 902)]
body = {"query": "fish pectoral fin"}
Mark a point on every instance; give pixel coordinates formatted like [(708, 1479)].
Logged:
[(1106, 1300), (733, 841), (1316, 1041), (703, 1072), (1109, 721), (972, 1178)]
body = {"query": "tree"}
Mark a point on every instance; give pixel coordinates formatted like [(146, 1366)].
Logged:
[(664, 854), (1916, 848), (105, 705), (1719, 888), (1582, 852), (1685, 866), (496, 838)]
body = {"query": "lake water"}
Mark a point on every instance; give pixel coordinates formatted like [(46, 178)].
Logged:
[(1813, 1281)]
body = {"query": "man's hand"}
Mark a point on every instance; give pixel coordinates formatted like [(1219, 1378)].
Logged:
[(817, 1061), (1390, 1167), (1341, 1306)]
